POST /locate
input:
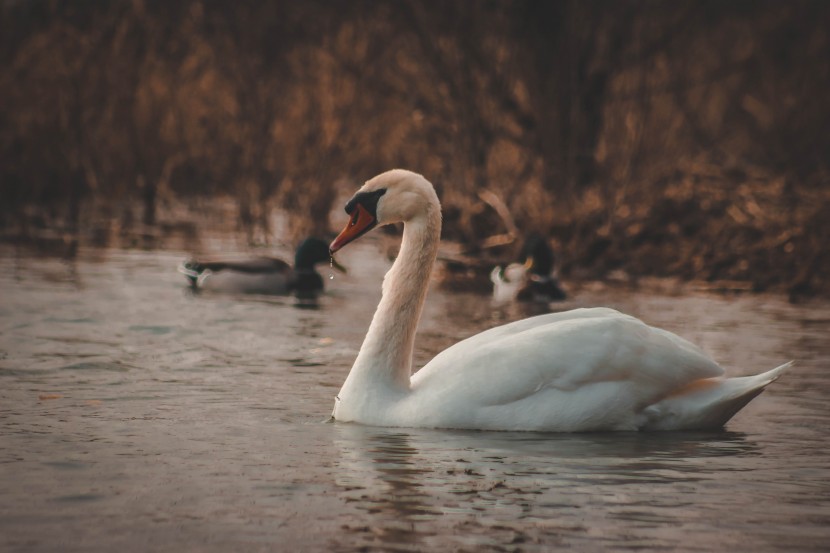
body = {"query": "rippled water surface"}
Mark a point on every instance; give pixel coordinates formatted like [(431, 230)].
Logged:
[(135, 416)]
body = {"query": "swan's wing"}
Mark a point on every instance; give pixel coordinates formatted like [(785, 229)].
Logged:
[(565, 351)]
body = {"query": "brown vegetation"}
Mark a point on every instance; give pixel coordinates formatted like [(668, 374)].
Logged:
[(656, 138)]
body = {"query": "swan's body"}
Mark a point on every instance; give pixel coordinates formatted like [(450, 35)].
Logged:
[(587, 369), (262, 275)]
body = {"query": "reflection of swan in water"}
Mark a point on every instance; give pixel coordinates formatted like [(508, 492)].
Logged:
[(581, 370), (455, 485), (383, 471)]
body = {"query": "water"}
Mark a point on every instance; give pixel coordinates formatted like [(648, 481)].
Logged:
[(135, 416)]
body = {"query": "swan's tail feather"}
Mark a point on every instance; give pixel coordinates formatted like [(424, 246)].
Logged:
[(709, 403), (772, 376)]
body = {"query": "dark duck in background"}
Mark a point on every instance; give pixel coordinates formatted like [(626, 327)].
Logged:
[(531, 280), (263, 275)]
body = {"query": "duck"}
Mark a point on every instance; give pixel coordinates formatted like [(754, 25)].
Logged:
[(588, 369), (532, 280), (263, 275)]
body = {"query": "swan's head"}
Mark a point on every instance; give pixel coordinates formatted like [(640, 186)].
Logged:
[(392, 197)]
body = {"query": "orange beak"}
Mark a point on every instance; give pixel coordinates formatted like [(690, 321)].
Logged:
[(360, 223)]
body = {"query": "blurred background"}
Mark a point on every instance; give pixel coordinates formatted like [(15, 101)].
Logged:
[(685, 139)]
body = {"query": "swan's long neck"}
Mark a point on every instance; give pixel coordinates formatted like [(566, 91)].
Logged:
[(385, 359)]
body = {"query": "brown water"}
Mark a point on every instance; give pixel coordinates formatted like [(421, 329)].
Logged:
[(135, 416)]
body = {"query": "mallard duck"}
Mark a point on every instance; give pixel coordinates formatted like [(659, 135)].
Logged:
[(263, 275), (532, 280), (581, 370)]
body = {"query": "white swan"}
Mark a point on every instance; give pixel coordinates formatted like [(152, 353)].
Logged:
[(582, 370)]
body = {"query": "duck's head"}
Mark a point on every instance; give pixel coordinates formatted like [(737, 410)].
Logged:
[(312, 251), (392, 197), (537, 255)]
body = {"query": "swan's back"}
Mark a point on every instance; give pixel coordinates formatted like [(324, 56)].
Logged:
[(581, 369)]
